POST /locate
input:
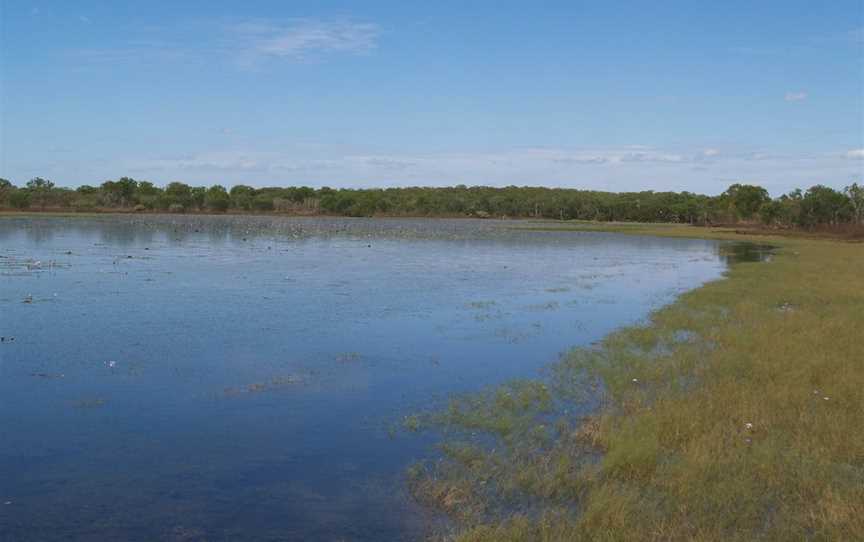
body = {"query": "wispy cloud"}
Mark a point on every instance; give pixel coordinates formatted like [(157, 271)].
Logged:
[(798, 96), (624, 155), (247, 43), (387, 162), (301, 38), (607, 168)]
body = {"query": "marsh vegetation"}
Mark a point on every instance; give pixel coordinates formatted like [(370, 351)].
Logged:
[(257, 386), (730, 415)]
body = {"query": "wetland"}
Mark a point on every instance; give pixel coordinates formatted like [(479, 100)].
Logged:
[(216, 378)]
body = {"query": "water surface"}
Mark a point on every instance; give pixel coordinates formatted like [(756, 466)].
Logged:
[(225, 378)]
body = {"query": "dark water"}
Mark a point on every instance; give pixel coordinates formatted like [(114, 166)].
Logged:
[(237, 378)]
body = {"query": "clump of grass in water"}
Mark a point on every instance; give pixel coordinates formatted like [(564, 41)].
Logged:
[(713, 423), (348, 357), (558, 289), (89, 403), (274, 383), (548, 306)]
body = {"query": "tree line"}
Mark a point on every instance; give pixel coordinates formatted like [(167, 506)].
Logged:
[(818, 205)]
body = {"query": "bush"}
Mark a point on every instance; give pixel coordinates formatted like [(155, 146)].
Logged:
[(262, 202), (216, 199), (19, 199), (81, 205)]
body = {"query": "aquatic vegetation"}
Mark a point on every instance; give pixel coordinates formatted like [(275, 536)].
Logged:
[(89, 403), (514, 336), (48, 376), (548, 306), (486, 316), (274, 383), (348, 357), (412, 422)]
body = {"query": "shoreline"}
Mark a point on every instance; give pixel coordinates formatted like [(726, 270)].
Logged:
[(730, 414)]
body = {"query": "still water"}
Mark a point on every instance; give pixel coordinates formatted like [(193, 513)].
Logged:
[(219, 378)]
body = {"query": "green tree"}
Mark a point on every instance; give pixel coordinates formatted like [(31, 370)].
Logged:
[(6, 188), (824, 205), (262, 202), (40, 190), (217, 198), (242, 196), (178, 194), (199, 194), (120, 192), (746, 199), (147, 189), (148, 195), (855, 193), (19, 199)]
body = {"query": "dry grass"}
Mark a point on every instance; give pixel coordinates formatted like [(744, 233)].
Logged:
[(746, 427)]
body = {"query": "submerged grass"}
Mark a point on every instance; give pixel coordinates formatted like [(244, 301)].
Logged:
[(733, 414)]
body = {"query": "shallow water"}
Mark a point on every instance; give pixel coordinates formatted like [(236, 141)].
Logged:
[(224, 378)]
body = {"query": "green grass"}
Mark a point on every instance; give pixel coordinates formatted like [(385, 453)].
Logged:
[(748, 426)]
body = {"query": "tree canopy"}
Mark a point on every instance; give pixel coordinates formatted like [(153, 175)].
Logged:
[(740, 202)]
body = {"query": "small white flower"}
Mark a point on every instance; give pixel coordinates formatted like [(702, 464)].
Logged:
[(826, 398), (635, 380), (748, 426)]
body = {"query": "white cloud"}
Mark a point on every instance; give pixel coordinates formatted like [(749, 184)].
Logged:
[(620, 168), (621, 155), (309, 37), (247, 43), (710, 153), (251, 42), (651, 157), (386, 162), (799, 96)]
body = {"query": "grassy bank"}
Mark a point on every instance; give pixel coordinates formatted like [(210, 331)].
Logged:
[(733, 414)]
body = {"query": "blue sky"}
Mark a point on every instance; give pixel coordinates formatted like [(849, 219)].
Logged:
[(604, 95)]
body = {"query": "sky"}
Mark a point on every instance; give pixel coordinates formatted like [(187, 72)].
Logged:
[(610, 95)]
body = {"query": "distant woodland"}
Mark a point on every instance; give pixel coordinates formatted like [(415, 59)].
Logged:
[(817, 206)]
